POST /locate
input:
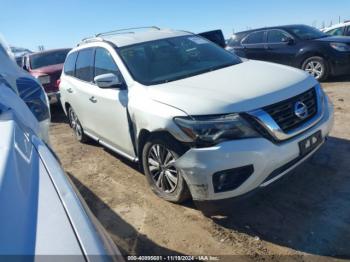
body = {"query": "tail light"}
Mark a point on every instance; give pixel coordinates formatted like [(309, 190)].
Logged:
[(58, 82)]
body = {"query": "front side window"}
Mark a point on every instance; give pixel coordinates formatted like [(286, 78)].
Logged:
[(170, 59), (48, 58), (104, 63), (85, 64), (336, 31), (69, 65), (276, 36)]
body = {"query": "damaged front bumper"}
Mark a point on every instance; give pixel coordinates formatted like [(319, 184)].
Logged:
[(259, 157)]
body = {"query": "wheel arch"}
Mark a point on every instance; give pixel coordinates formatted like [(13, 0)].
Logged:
[(309, 54), (145, 135), (66, 107)]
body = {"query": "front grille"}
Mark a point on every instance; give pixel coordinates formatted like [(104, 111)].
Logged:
[(283, 112)]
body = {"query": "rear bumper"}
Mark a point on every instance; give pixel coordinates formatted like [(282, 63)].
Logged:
[(198, 165)]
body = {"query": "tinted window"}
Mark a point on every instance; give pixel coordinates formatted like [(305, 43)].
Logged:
[(69, 65), (275, 36), (305, 32), (84, 65), (104, 63), (170, 59), (347, 33), (336, 31), (48, 58), (255, 38)]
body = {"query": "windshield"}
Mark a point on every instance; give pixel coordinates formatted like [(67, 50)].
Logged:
[(307, 32), (48, 58), (175, 58)]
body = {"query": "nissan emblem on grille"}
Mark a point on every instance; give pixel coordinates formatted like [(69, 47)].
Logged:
[(300, 110)]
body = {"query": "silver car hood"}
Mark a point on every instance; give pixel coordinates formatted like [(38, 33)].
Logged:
[(32, 217), (243, 87)]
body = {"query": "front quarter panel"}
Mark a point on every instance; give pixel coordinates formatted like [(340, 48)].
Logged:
[(148, 114)]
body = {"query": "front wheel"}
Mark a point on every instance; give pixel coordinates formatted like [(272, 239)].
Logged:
[(158, 159), (317, 67)]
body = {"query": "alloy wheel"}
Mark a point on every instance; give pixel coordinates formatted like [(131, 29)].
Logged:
[(161, 166), (315, 69), (75, 124)]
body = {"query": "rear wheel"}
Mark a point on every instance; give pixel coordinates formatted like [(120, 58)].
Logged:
[(158, 159), (317, 67), (76, 126)]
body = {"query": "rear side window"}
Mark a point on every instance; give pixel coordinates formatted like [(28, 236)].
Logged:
[(69, 65), (255, 38), (104, 63), (336, 31), (85, 65), (276, 36), (347, 31)]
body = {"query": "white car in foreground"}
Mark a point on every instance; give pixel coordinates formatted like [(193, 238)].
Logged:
[(201, 121), (26, 87), (41, 213)]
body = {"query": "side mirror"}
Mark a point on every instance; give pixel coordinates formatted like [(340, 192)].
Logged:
[(288, 40), (108, 81), (24, 67)]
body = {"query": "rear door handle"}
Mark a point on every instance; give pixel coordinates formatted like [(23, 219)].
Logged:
[(93, 99), (69, 90)]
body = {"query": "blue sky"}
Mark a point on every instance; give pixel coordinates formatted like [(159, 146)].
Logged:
[(62, 23)]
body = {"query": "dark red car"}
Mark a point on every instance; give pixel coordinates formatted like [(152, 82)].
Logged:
[(47, 67)]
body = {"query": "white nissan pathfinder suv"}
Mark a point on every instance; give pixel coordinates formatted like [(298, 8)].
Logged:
[(201, 121)]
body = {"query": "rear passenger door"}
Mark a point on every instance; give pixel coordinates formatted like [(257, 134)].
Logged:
[(109, 106), (281, 47), (81, 88), (254, 45)]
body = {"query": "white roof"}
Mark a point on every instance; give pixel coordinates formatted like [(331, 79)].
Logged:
[(130, 38), (326, 29)]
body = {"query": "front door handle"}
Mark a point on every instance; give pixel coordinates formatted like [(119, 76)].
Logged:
[(93, 99), (69, 90)]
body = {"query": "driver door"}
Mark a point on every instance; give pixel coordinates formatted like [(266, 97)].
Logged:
[(111, 122)]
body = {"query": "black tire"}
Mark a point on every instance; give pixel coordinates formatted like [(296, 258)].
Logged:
[(181, 192), (76, 126), (317, 67)]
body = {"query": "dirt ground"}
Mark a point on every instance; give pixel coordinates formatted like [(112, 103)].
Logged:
[(302, 217)]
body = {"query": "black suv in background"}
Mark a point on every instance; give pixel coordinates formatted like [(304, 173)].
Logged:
[(299, 46)]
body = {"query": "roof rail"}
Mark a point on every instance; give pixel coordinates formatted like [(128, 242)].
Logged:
[(126, 30), (90, 40), (99, 37)]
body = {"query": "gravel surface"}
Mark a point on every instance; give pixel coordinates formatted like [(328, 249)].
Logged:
[(305, 216)]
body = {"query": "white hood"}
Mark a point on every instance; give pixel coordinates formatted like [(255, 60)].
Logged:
[(243, 87)]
